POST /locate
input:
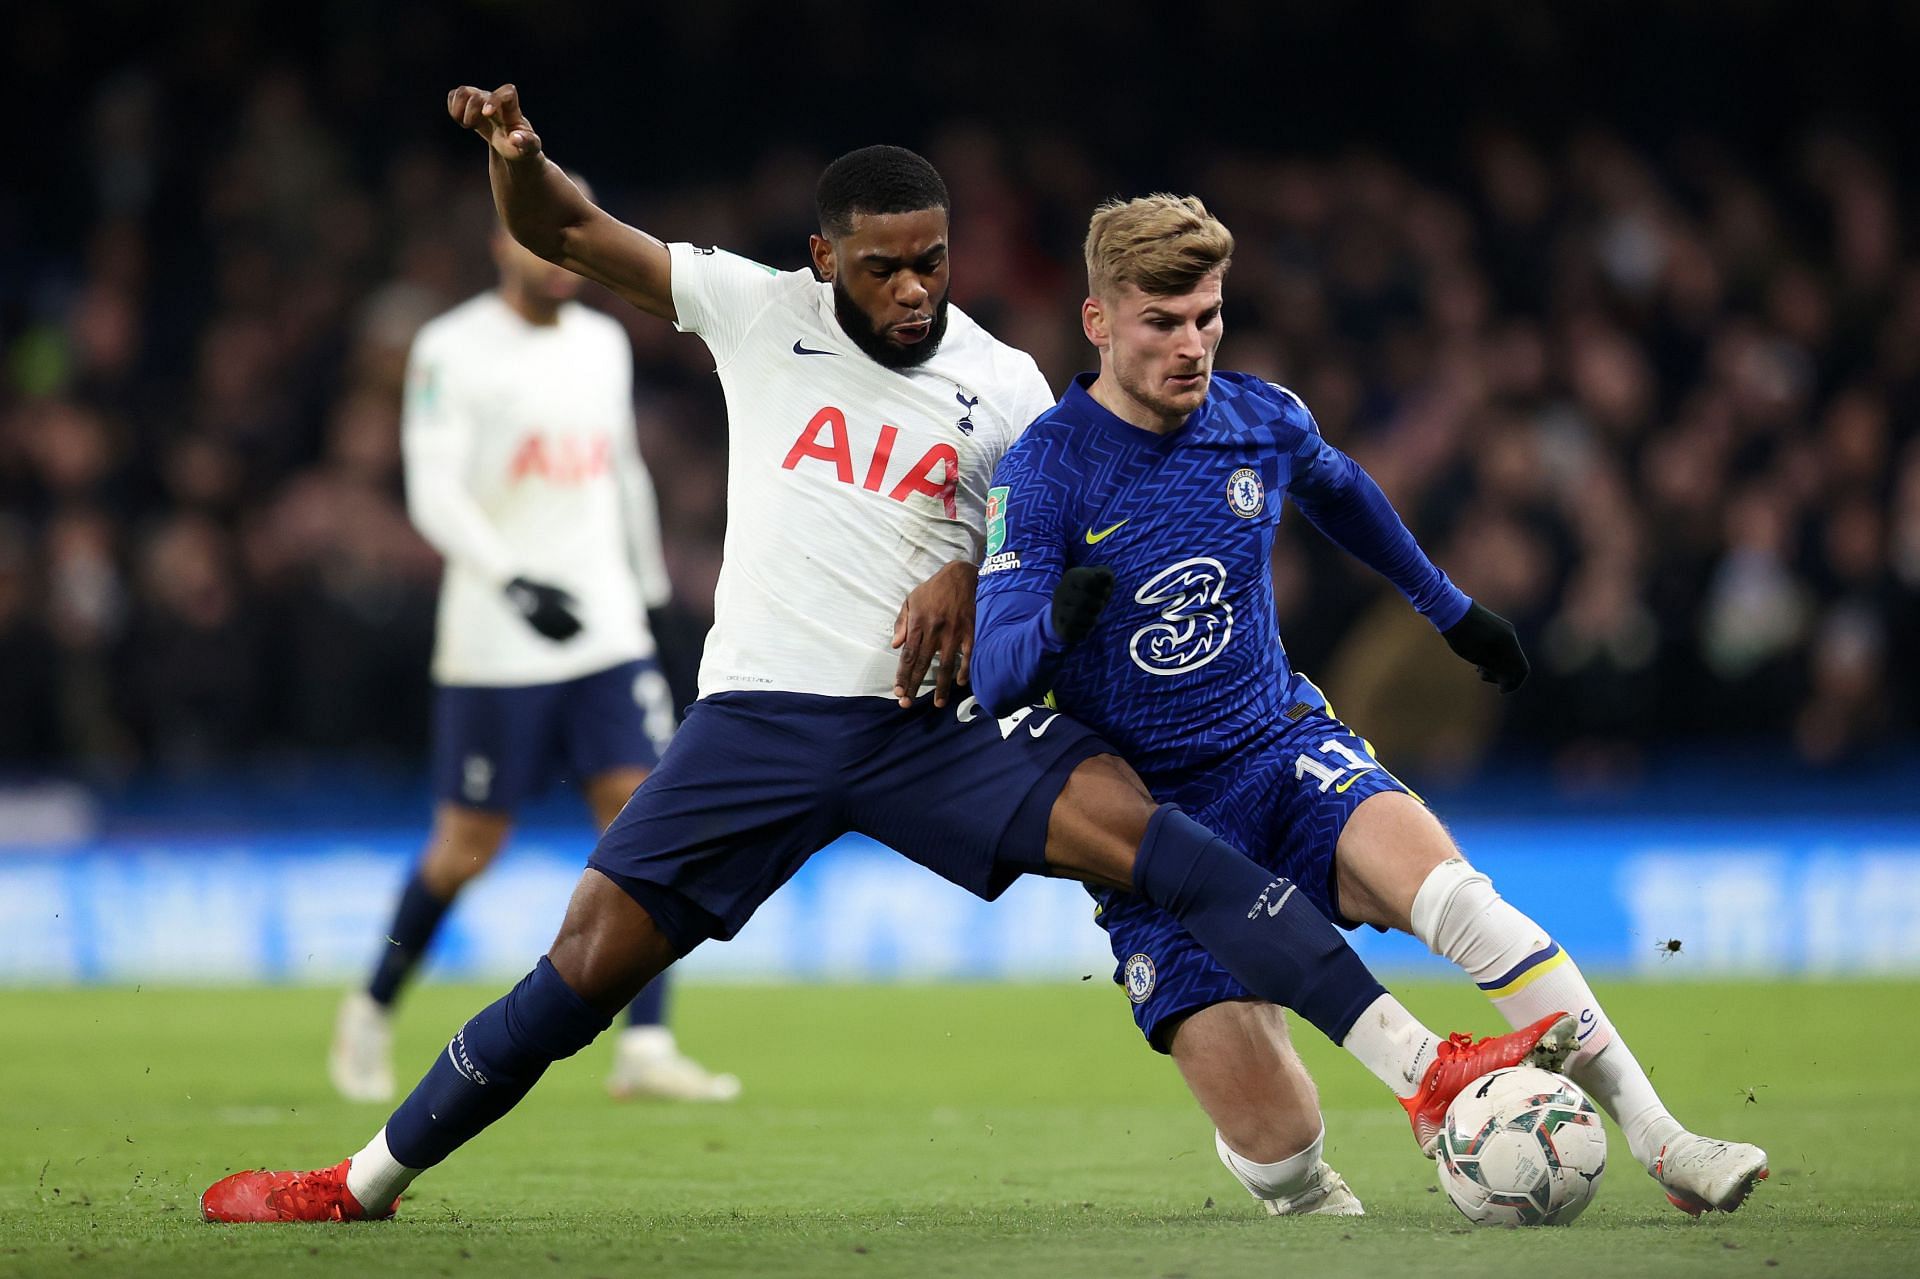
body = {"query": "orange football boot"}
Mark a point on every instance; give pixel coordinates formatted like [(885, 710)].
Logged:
[(1547, 1043), (260, 1195)]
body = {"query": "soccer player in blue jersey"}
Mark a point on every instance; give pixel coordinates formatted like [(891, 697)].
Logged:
[(809, 724), (1127, 580)]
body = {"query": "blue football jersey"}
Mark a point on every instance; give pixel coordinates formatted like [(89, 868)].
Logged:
[(1185, 668)]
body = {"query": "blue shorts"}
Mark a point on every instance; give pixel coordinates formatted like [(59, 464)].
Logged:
[(494, 748), (756, 783), (1283, 804)]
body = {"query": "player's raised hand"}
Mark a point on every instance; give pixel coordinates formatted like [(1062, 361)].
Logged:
[(1489, 641), (496, 117), (1078, 599), (936, 621)]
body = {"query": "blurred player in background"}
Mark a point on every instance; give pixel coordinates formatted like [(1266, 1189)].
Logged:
[(865, 415), (1166, 480), (523, 470)]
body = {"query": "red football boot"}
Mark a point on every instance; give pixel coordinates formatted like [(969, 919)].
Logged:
[(1459, 1061), (259, 1195)]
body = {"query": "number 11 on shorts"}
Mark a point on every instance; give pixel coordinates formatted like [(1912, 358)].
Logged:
[(1306, 766)]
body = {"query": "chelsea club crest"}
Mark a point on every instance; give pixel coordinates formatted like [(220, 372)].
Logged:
[(1139, 976), (1246, 495)]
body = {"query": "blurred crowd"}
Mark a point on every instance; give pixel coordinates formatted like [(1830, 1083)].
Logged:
[(1660, 405)]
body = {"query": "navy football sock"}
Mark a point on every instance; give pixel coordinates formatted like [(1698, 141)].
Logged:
[(1256, 924), (649, 1007), (490, 1065), (415, 921)]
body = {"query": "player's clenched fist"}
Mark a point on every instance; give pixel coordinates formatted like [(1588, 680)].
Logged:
[(1077, 600), (496, 117)]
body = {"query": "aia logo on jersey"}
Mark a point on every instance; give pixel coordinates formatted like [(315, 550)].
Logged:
[(826, 439), (1246, 495), (561, 458)]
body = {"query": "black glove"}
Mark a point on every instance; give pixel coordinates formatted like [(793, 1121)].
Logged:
[(1078, 599), (1487, 639), (548, 609)]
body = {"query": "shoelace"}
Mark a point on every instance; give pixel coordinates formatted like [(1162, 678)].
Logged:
[(306, 1191)]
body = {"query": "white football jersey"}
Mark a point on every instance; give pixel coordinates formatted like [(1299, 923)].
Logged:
[(849, 483), (521, 461)]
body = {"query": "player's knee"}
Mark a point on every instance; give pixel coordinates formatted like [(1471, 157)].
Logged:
[(1450, 898), (464, 843), (1389, 848), (608, 947), (1098, 821)]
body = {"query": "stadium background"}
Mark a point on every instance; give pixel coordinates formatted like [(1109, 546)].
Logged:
[(1621, 306)]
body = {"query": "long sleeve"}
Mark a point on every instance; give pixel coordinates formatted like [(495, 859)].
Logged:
[(1343, 502), (436, 444), (1015, 652), (640, 516)]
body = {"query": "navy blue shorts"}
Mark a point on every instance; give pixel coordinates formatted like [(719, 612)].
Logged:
[(496, 747), (756, 783), (1284, 805)]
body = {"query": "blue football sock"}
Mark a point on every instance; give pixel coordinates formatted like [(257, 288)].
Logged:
[(1256, 924), (490, 1065), (649, 1007), (415, 921)]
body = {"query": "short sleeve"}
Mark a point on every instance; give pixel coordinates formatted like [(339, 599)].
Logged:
[(1031, 396), (718, 295)]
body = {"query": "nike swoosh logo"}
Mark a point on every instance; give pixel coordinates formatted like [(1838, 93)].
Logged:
[(805, 350), (1341, 789), (1274, 908), (1041, 727), (1094, 538)]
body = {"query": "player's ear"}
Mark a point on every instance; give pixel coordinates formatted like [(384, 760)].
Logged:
[(1094, 323), (822, 250)]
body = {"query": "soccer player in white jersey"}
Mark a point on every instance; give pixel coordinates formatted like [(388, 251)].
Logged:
[(865, 416), (523, 471)]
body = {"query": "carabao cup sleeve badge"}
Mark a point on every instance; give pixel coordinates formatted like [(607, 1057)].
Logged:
[(996, 519)]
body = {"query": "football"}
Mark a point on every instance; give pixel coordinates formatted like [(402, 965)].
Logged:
[(1521, 1147)]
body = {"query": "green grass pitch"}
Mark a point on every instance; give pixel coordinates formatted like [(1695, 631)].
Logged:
[(915, 1130)]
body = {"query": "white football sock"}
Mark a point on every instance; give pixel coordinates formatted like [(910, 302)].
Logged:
[(375, 1177), (1388, 1041), (1278, 1180), (1614, 1079), (647, 1041), (1460, 917)]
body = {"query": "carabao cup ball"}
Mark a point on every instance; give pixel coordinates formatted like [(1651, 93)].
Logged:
[(1521, 1147)]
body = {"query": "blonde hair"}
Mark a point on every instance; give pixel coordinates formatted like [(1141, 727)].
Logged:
[(1161, 244)]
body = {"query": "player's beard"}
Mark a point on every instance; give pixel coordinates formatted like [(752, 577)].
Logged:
[(878, 347), (1148, 394)]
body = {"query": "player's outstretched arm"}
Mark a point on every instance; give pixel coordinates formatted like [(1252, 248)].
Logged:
[(545, 211)]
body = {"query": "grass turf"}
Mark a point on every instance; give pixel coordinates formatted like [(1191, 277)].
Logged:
[(943, 1130)]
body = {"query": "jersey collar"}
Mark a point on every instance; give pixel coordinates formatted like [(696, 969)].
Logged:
[(1080, 402)]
